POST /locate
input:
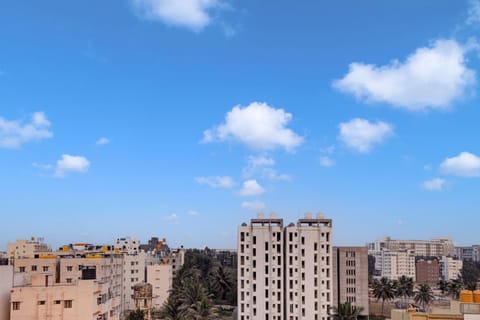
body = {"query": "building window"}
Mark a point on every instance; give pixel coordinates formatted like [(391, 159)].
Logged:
[(15, 305), (34, 268), (21, 269), (69, 268), (67, 304), (69, 280), (41, 302), (45, 268), (57, 302)]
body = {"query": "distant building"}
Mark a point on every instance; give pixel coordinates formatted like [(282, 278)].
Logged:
[(394, 264), (471, 253), (227, 258), (427, 271), (450, 268), (127, 245), (423, 248), (350, 277), (26, 248)]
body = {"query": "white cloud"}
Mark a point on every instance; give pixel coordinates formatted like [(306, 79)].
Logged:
[(473, 12), (69, 163), (42, 166), (14, 133), (171, 218), (432, 77), (253, 205), (258, 126), (326, 161), (193, 213), (362, 135), (223, 182), (192, 14), (251, 188), (262, 166), (435, 184), (465, 164), (102, 141)]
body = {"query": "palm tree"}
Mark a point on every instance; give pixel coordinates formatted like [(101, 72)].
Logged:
[(404, 288), (347, 311), (221, 282), (171, 310), (136, 315), (384, 290), (443, 286), (424, 295), (454, 287)]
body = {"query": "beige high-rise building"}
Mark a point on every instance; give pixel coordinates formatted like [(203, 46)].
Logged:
[(160, 276), (350, 276), (450, 268), (308, 269), (261, 270), (394, 264), (285, 273)]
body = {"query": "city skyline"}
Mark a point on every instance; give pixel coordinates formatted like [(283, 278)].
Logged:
[(147, 118)]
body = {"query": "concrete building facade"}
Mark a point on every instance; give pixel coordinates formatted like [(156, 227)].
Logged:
[(427, 271), (423, 248), (285, 273), (26, 248), (160, 276), (450, 268), (394, 264), (6, 284), (350, 277)]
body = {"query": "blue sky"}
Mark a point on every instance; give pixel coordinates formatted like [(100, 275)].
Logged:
[(182, 119)]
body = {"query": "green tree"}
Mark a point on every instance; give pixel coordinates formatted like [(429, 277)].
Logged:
[(470, 274), (404, 289), (424, 295), (221, 282), (454, 287), (383, 289), (171, 310), (136, 315), (442, 286), (346, 311)]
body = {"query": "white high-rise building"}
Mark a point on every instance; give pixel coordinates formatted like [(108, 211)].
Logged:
[(260, 276), (450, 268), (285, 273), (308, 269), (394, 264)]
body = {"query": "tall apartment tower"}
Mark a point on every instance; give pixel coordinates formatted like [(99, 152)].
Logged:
[(308, 269), (285, 273), (260, 276), (350, 274)]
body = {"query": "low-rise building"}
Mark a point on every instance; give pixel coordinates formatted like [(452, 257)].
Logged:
[(427, 271)]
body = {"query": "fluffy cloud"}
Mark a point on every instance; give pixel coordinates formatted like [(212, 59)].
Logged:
[(465, 164), (473, 12), (193, 213), (432, 77), (362, 135), (253, 205), (223, 182), (435, 184), (326, 161), (258, 126), (192, 14), (102, 141), (15, 133), (262, 166), (251, 188), (69, 163), (171, 218)]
